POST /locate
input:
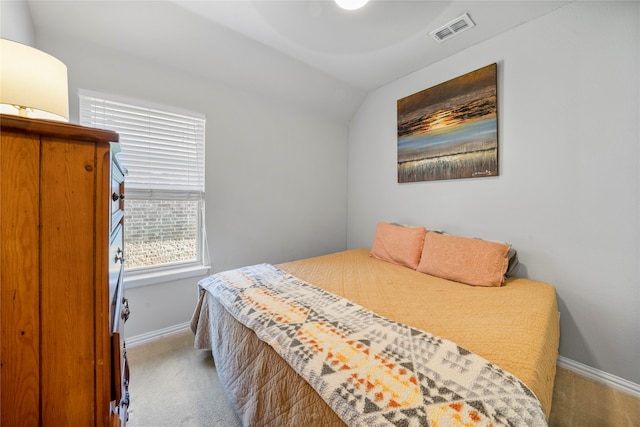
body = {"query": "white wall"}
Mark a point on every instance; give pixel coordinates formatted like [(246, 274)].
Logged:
[(275, 174), (567, 197), (16, 23)]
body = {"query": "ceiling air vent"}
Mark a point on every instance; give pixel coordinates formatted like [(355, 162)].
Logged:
[(453, 28)]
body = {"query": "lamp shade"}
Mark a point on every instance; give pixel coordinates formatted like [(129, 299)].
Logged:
[(32, 83)]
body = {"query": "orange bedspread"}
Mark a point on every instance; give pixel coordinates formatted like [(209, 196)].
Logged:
[(515, 326)]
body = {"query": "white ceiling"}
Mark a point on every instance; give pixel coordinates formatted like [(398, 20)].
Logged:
[(369, 47), (288, 48)]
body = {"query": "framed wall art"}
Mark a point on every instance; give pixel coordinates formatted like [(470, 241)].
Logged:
[(450, 130)]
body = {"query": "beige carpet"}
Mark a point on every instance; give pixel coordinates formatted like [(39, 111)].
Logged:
[(174, 385)]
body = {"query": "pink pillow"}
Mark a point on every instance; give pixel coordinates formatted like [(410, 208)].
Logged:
[(462, 259), (397, 244)]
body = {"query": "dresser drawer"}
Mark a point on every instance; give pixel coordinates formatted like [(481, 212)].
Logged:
[(117, 193), (116, 268), (120, 366)]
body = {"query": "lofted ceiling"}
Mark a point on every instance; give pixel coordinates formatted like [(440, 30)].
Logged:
[(291, 49), (366, 48)]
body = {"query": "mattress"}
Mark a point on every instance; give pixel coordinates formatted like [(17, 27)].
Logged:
[(514, 326)]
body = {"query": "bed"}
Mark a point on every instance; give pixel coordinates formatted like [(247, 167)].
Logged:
[(513, 326)]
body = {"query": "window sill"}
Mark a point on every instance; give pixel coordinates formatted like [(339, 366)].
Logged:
[(133, 280)]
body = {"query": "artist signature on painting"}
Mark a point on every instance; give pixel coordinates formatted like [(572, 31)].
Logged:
[(483, 173)]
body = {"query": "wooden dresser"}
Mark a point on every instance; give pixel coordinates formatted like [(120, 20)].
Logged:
[(62, 307)]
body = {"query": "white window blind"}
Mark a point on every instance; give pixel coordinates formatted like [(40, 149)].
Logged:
[(163, 151)]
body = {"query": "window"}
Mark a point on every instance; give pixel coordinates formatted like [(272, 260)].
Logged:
[(163, 152)]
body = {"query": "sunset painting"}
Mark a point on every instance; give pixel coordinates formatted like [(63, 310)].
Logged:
[(450, 130)]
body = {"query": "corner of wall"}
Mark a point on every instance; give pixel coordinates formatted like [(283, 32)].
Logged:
[(16, 23)]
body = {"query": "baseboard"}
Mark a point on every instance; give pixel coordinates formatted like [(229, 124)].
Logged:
[(156, 335), (600, 376)]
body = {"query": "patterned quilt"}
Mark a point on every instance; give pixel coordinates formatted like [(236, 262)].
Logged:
[(370, 370)]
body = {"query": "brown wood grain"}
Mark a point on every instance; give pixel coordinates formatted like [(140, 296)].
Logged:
[(20, 378), (67, 289), (42, 127), (55, 204), (104, 373)]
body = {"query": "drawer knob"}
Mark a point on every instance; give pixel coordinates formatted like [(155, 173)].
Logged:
[(125, 309), (119, 256), (115, 196)]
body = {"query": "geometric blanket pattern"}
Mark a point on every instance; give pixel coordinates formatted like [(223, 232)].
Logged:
[(370, 370)]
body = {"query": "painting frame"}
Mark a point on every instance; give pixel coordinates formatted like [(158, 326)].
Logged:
[(450, 131)]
